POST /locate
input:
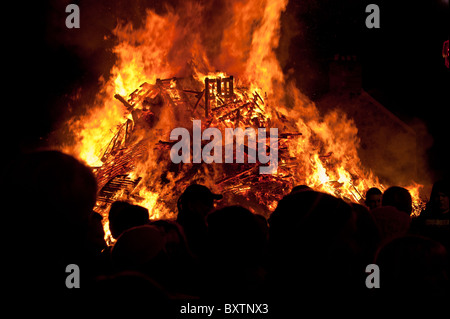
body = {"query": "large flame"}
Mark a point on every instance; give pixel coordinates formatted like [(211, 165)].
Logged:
[(241, 41)]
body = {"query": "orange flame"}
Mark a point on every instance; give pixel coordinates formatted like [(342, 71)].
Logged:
[(326, 153)]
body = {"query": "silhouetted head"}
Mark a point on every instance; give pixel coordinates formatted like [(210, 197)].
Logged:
[(308, 214), (175, 239), (300, 188), (138, 248), (53, 196), (373, 198), (439, 198), (236, 233), (197, 199), (123, 216), (57, 194), (398, 197), (308, 232)]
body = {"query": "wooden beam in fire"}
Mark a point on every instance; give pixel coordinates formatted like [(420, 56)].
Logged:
[(121, 162), (121, 157), (116, 184), (198, 95), (218, 89), (118, 141), (124, 102)]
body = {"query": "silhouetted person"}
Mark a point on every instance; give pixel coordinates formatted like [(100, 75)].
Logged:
[(186, 272), (140, 249), (97, 246), (393, 217), (123, 216), (300, 188), (159, 252), (398, 197), (174, 236), (237, 251), (367, 235), (193, 206), (434, 221), (373, 198), (413, 266), (438, 206), (311, 240), (54, 195), (391, 222)]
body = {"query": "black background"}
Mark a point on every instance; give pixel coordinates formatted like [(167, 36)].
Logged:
[(45, 63)]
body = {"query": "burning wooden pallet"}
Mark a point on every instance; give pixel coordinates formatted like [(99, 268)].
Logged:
[(220, 104)]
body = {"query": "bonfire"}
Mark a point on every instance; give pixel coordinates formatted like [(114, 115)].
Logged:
[(165, 77)]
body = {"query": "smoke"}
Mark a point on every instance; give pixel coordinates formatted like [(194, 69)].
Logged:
[(424, 141)]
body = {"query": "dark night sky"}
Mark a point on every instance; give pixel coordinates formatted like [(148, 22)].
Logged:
[(402, 63)]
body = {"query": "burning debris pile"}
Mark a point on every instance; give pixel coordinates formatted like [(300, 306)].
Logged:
[(217, 104)]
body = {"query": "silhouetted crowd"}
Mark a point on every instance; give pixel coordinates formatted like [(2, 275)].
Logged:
[(314, 246)]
